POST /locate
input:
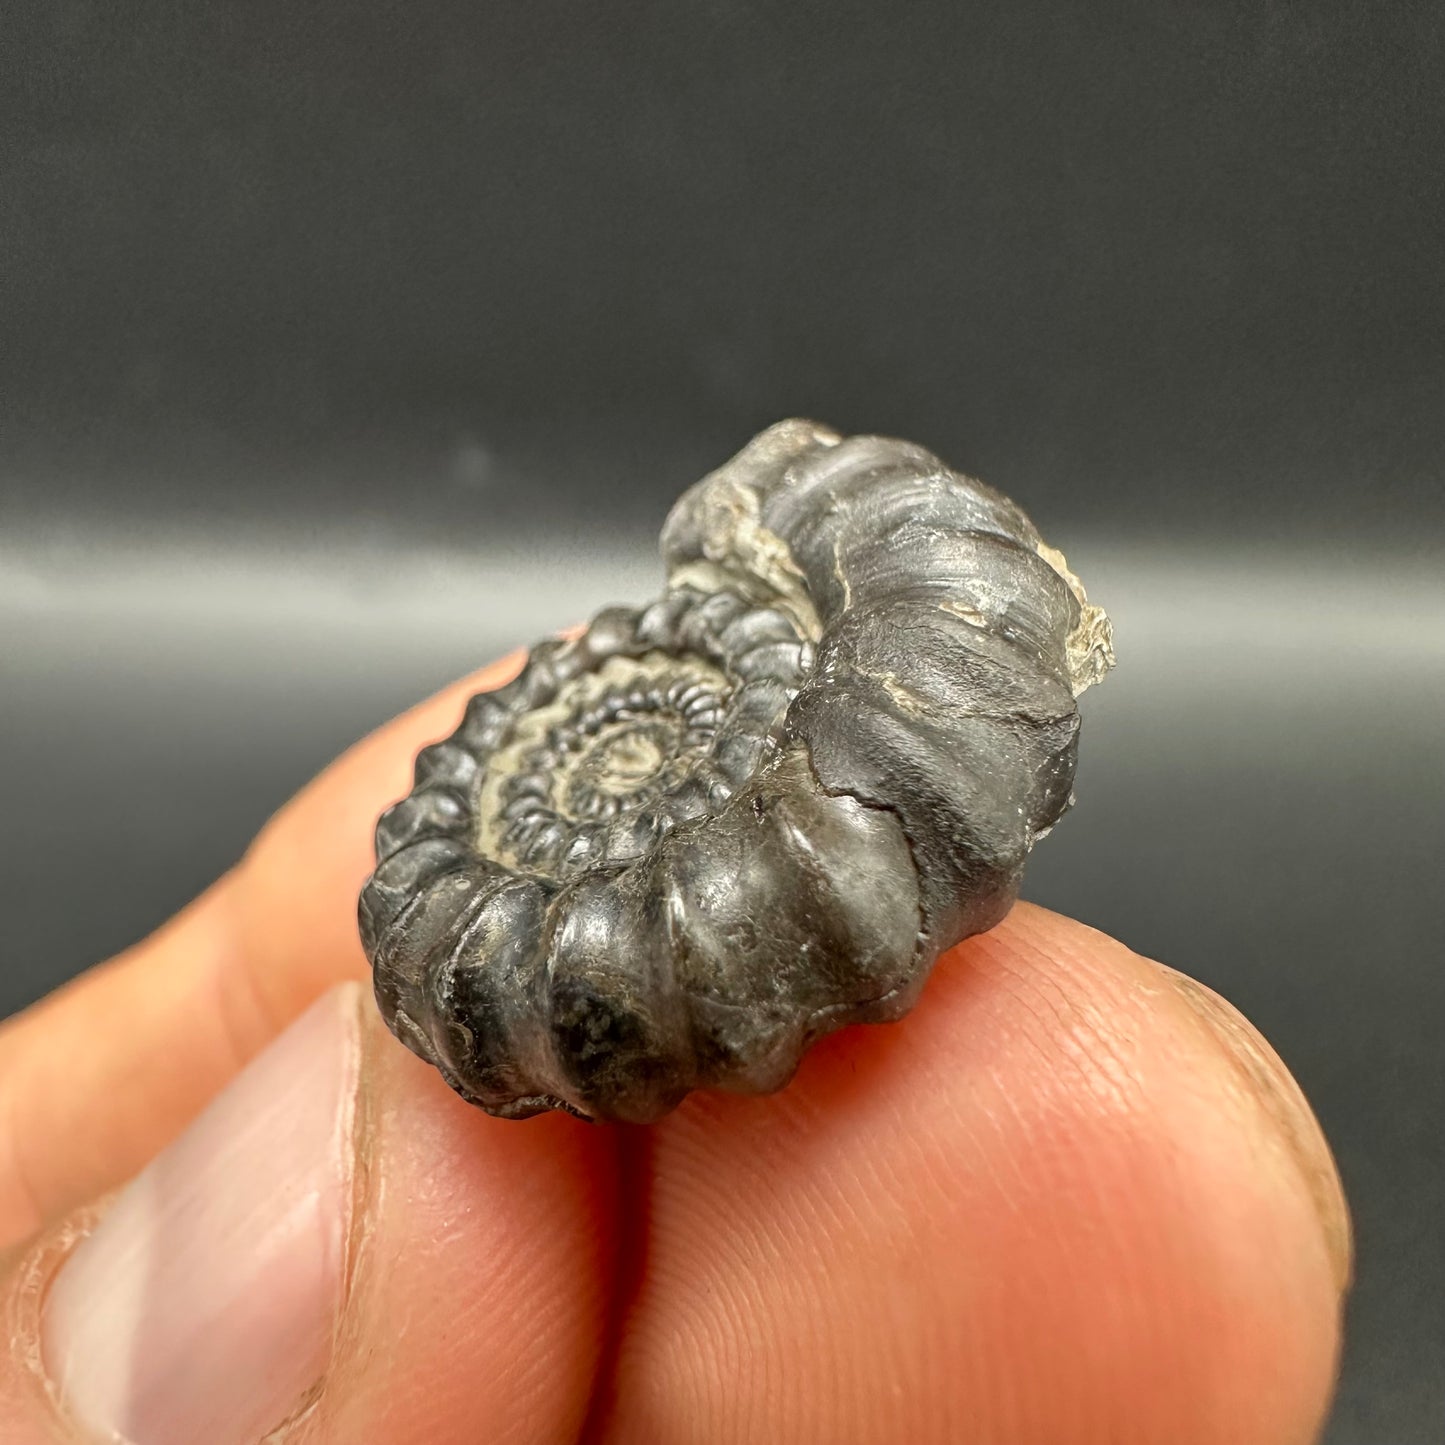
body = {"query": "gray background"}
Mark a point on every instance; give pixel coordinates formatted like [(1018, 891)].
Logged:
[(346, 346)]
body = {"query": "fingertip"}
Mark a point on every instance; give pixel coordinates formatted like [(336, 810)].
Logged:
[(1262, 1073), (100, 1075), (1041, 1208), (300, 878)]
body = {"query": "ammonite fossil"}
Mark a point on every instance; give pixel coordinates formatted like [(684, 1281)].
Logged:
[(687, 843)]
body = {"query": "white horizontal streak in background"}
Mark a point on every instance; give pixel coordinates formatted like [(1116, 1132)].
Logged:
[(1323, 612)]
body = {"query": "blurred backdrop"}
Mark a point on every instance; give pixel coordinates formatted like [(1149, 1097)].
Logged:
[(347, 346)]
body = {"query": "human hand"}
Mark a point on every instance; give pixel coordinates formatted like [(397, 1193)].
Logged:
[(1072, 1199)]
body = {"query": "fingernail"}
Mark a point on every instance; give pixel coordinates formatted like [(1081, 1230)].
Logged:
[(202, 1308), (1264, 1073)]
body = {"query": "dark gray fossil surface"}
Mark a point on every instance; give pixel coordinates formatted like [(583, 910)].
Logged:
[(687, 843)]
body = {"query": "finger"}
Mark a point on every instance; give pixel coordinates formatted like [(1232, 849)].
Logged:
[(1059, 1202), (338, 1243), (97, 1077)]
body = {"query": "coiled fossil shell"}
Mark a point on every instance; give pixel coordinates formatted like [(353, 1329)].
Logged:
[(681, 847)]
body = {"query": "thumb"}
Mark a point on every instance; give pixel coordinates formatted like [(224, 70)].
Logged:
[(336, 1245)]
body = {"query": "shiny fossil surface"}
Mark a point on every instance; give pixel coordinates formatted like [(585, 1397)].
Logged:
[(681, 847)]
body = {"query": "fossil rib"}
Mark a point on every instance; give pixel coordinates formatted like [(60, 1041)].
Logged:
[(681, 847)]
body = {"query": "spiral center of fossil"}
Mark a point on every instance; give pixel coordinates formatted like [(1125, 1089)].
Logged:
[(620, 754), (627, 761), (623, 761)]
